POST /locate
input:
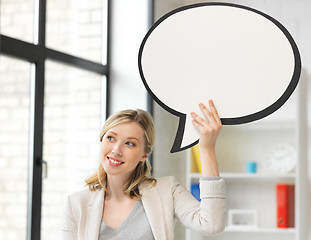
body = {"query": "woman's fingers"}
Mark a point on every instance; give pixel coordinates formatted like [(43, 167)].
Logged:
[(214, 112), (199, 121), (209, 115), (197, 125), (209, 127)]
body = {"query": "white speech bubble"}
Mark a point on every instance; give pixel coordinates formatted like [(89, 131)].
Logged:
[(243, 59)]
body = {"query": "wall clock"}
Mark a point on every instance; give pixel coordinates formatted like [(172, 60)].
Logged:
[(281, 159)]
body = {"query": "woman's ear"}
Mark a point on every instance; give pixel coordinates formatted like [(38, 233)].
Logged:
[(144, 158)]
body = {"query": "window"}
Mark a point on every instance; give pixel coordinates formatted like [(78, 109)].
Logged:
[(14, 142), (72, 120), (53, 98)]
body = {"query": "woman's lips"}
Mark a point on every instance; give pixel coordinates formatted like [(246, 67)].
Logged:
[(114, 162)]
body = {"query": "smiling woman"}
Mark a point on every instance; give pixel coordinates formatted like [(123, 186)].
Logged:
[(127, 137), (122, 190)]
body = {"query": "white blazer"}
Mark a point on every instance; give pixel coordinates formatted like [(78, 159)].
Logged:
[(163, 203)]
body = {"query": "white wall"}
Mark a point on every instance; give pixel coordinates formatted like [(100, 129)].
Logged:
[(129, 24)]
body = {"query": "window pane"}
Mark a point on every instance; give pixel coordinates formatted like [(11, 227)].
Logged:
[(71, 138), (16, 19), (75, 27), (14, 140)]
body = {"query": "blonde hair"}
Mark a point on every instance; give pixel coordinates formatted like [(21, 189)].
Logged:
[(142, 172)]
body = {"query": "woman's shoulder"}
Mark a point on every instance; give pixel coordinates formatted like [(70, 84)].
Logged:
[(161, 183), (166, 182), (166, 179)]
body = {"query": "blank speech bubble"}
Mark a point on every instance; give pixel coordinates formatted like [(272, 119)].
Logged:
[(243, 59)]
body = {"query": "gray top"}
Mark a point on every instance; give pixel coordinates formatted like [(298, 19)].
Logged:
[(135, 226)]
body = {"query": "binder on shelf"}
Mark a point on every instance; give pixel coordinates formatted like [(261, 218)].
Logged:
[(291, 205), (195, 191), (285, 200), (195, 159)]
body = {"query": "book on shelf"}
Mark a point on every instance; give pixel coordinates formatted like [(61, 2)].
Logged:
[(195, 159), (285, 205)]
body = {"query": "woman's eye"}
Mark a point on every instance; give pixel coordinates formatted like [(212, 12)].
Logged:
[(130, 144), (110, 138)]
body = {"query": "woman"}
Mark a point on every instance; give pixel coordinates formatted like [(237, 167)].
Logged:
[(124, 202)]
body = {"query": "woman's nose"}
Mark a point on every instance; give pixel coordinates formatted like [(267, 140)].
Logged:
[(117, 151)]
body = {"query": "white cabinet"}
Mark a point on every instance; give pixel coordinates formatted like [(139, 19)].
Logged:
[(251, 142)]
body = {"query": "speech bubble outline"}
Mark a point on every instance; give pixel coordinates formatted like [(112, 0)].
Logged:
[(229, 120)]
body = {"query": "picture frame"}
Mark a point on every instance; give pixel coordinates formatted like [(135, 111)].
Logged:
[(242, 218)]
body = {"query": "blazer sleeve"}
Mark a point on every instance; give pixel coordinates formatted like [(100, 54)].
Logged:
[(207, 216), (69, 225)]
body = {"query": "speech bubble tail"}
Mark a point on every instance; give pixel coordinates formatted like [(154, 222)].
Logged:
[(183, 132)]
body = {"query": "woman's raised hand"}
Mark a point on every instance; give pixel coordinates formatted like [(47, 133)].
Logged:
[(209, 129)]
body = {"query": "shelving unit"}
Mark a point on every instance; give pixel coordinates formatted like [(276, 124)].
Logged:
[(250, 176), (249, 142), (263, 230)]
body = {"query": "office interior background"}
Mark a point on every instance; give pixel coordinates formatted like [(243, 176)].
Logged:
[(65, 65)]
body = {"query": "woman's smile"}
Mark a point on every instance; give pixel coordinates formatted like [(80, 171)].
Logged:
[(114, 162)]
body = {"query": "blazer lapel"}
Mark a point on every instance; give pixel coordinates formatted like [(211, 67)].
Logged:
[(94, 215), (154, 211)]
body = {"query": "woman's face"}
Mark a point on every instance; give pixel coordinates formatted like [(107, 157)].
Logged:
[(123, 147)]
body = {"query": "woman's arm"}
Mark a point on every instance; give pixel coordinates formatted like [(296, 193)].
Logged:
[(208, 216), (69, 226), (209, 129)]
